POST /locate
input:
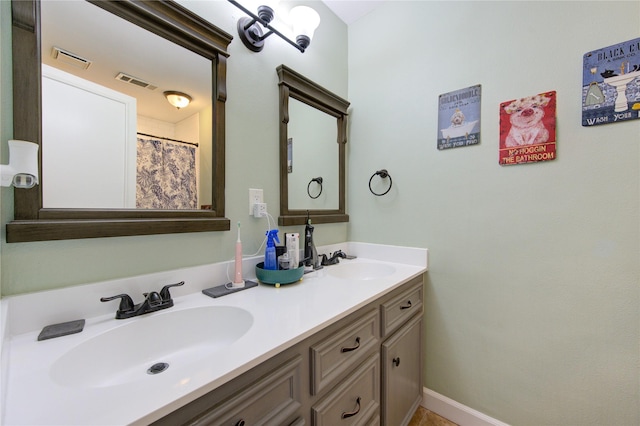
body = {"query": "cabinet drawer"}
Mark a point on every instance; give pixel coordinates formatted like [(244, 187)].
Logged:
[(355, 401), (398, 310), (272, 400), (338, 354)]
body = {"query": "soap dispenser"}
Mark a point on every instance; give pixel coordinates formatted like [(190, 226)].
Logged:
[(310, 252)]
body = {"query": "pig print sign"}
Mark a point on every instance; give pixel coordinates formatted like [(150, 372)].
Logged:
[(528, 129)]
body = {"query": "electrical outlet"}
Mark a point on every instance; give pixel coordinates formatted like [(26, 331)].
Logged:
[(260, 210), (255, 196)]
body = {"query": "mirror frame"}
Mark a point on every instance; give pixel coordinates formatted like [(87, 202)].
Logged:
[(167, 19), (297, 86)]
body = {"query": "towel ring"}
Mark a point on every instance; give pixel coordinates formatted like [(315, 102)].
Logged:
[(318, 180), (383, 174)]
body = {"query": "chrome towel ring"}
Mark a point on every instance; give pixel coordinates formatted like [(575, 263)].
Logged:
[(383, 174), (317, 180)]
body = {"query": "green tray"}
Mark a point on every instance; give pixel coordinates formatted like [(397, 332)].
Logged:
[(281, 276)]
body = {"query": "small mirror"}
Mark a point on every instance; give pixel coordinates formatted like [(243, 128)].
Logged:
[(312, 158), (313, 135)]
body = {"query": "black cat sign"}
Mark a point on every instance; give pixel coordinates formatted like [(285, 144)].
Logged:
[(611, 84)]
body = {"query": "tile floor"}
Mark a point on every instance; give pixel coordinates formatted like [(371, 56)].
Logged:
[(424, 417)]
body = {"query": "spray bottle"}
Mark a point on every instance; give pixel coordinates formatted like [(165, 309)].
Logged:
[(270, 261)]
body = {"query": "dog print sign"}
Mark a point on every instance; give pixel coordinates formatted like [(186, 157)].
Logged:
[(528, 129), (611, 84), (459, 118)]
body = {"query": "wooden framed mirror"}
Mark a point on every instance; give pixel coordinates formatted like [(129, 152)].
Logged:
[(313, 134), (35, 221)]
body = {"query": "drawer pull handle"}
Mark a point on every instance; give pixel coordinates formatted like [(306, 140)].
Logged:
[(407, 306), (240, 423), (396, 361), (352, 348), (353, 413)]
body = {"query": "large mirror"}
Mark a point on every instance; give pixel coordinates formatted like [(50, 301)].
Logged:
[(137, 51), (106, 118), (313, 134)]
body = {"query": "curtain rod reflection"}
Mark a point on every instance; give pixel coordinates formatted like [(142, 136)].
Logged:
[(167, 139)]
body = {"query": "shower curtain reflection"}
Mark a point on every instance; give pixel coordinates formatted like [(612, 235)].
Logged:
[(166, 175)]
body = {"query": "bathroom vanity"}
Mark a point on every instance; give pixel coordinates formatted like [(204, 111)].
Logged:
[(342, 346), (364, 369)]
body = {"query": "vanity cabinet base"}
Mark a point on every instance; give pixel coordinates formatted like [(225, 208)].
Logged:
[(345, 374)]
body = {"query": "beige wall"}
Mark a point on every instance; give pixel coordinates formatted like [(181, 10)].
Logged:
[(532, 298), (252, 162)]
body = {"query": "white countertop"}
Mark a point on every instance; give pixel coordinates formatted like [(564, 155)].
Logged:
[(282, 317)]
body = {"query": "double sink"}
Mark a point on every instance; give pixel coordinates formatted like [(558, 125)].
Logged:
[(167, 358)]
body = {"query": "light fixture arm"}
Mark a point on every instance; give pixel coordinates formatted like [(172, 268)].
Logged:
[(250, 23), (265, 35), (252, 36)]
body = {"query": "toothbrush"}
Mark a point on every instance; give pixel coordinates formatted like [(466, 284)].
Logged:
[(237, 280)]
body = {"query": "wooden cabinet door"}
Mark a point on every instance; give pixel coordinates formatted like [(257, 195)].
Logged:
[(402, 373)]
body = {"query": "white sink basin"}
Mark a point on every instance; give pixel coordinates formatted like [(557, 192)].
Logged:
[(124, 354), (360, 270)]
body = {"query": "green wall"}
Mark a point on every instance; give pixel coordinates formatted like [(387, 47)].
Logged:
[(252, 162), (532, 297)]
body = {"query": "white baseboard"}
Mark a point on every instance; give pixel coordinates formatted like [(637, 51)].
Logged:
[(456, 412)]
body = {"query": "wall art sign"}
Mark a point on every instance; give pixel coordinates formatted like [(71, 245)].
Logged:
[(611, 84), (459, 118), (528, 129)]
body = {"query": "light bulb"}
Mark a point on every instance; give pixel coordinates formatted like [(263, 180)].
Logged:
[(305, 20)]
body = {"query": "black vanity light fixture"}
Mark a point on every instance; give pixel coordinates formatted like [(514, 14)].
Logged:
[(253, 30)]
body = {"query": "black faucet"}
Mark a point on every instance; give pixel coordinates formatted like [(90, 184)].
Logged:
[(334, 259), (153, 301)]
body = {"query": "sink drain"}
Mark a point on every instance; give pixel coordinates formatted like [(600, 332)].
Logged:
[(157, 368)]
